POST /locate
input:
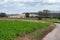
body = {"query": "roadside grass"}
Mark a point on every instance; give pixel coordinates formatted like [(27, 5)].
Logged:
[(10, 29), (41, 33), (51, 19)]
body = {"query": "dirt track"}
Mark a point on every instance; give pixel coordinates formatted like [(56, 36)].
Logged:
[(24, 20), (55, 34)]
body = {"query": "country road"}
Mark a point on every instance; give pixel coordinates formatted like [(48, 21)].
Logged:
[(54, 35)]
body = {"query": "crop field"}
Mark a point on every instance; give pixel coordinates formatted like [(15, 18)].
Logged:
[(11, 29)]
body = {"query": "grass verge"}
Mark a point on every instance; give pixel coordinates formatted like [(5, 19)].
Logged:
[(51, 19)]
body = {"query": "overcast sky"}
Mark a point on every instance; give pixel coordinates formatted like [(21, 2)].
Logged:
[(20, 6)]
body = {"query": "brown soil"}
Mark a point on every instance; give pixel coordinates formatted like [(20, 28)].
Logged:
[(26, 37)]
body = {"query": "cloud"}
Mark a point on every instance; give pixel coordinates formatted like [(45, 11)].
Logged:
[(23, 0), (51, 1), (17, 0), (21, 6), (17, 6), (3, 1), (28, 0)]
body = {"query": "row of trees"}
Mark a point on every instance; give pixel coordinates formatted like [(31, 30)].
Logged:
[(3, 15), (41, 14), (27, 15)]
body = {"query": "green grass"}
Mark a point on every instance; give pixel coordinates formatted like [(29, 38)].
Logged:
[(11, 29), (51, 19)]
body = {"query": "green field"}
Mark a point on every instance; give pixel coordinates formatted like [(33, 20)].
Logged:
[(11, 29)]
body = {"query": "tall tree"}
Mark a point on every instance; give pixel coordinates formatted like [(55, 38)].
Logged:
[(27, 14), (3, 15), (39, 15)]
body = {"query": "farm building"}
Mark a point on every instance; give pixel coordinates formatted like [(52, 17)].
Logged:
[(43, 14), (16, 16), (31, 15)]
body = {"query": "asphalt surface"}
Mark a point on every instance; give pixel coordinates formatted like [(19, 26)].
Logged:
[(55, 34)]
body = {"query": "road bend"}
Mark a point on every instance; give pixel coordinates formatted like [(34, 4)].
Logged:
[(54, 34)]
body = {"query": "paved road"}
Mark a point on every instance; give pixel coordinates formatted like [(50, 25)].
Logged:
[(55, 34)]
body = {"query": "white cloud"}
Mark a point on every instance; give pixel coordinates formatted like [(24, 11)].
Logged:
[(18, 0), (23, 0), (20, 6), (28, 0), (3, 1), (5, 6), (51, 1), (28, 5), (48, 1)]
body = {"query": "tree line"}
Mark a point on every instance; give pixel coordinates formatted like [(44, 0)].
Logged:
[(3, 15)]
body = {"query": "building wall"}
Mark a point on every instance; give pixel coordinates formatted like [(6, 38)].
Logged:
[(17, 16), (33, 15)]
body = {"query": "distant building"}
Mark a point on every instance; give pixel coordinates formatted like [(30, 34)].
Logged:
[(32, 14), (44, 14), (16, 16)]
